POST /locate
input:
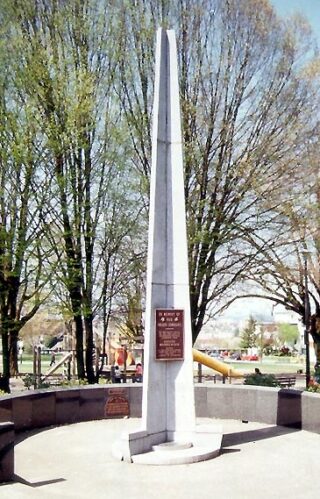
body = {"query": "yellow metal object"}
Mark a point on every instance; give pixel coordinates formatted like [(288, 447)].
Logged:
[(215, 364)]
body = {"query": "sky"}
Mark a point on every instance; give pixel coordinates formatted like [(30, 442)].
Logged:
[(242, 308), (310, 9)]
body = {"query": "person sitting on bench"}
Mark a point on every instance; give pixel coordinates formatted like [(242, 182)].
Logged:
[(138, 374)]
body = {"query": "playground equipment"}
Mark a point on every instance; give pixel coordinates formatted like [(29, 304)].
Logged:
[(120, 354), (215, 364), (67, 357)]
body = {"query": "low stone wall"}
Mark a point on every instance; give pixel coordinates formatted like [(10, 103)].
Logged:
[(285, 407), (310, 413), (6, 451), (36, 409), (251, 403)]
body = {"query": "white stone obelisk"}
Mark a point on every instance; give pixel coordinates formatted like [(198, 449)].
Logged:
[(168, 409), (168, 394)]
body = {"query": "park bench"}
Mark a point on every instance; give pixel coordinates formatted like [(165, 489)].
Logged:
[(286, 381)]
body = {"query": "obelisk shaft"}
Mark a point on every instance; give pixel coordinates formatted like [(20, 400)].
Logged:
[(168, 411), (168, 393)]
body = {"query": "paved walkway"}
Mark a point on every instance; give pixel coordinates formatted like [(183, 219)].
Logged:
[(257, 462)]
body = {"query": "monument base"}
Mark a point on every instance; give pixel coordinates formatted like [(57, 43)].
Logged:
[(170, 447)]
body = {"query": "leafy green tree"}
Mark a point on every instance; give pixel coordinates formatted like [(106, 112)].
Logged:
[(23, 254), (68, 67), (249, 336), (288, 333)]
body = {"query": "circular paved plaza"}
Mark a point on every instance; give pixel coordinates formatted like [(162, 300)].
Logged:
[(257, 461)]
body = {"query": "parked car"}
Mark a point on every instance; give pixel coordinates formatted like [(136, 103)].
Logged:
[(216, 355), (235, 356), (250, 357)]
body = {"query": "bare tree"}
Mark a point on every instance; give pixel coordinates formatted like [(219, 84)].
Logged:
[(247, 110), (84, 70), (286, 269)]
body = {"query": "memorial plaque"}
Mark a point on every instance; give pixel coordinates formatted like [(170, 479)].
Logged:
[(169, 334), (117, 403)]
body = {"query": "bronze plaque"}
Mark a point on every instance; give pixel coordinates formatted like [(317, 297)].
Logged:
[(169, 334), (117, 403)]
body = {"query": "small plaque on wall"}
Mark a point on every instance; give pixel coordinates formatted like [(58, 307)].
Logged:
[(117, 403), (169, 334)]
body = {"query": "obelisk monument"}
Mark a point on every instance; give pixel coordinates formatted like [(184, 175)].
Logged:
[(168, 409), (168, 395)]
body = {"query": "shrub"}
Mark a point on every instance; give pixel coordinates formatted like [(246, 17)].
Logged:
[(314, 388), (261, 380), (30, 379), (317, 373), (73, 383)]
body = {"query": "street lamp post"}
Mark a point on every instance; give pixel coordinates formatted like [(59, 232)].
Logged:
[(306, 318)]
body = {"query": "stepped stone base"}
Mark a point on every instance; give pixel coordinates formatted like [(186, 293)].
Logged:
[(201, 445)]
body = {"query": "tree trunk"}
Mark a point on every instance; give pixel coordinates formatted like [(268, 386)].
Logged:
[(79, 347), (317, 351), (315, 333), (89, 350), (13, 352), (5, 379)]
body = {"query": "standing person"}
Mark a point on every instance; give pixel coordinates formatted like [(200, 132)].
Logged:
[(53, 359), (117, 374)]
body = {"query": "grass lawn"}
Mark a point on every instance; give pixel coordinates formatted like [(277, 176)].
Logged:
[(267, 368), (268, 365), (26, 366)]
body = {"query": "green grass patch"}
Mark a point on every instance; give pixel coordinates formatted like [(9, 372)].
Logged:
[(267, 367)]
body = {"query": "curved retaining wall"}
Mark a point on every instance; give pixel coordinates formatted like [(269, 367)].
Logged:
[(39, 408), (286, 407), (36, 409)]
